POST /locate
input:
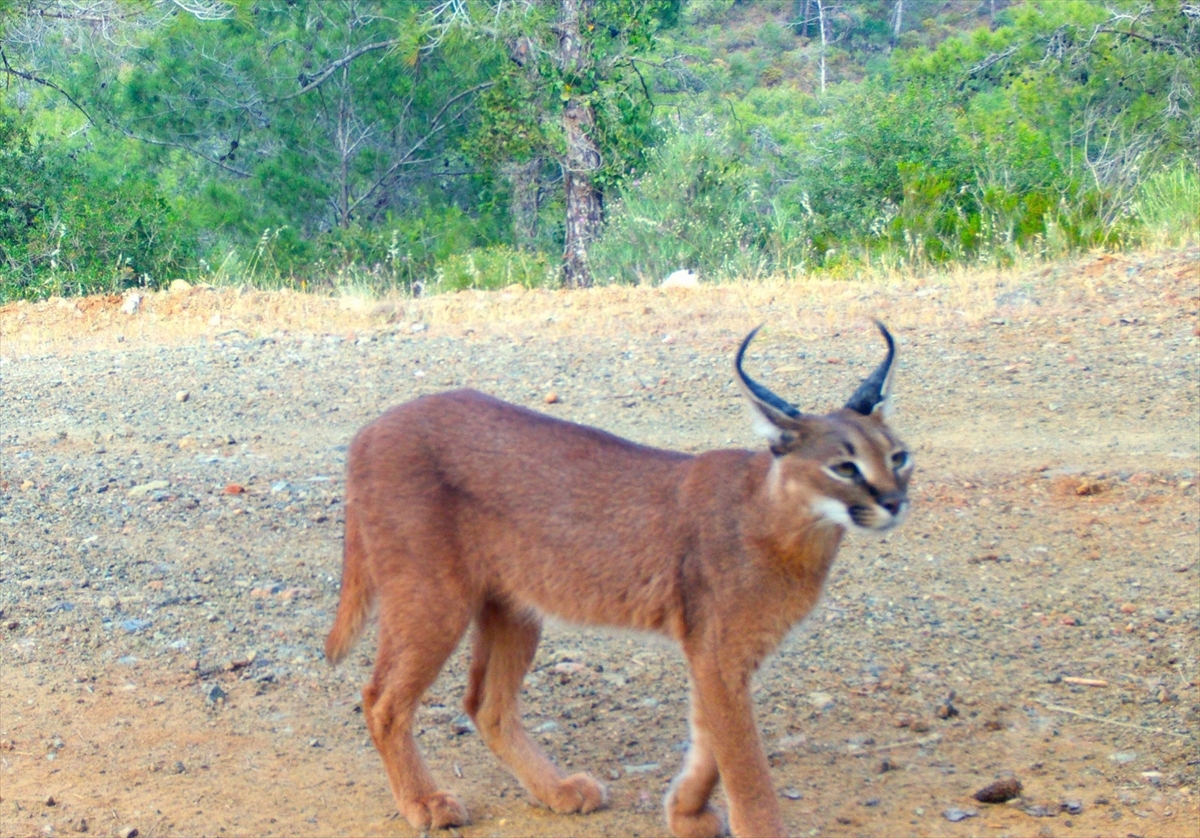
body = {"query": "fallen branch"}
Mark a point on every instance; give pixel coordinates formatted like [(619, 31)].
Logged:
[(1058, 708), (1084, 682), (934, 737)]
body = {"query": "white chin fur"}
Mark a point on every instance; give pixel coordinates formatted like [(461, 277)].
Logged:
[(889, 523), (833, 511)]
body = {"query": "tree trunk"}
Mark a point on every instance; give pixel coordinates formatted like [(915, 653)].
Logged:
[(582, 160), (800, 13), (824, 39), (526, 182)]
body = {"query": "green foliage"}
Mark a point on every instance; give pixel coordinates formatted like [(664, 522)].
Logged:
[(70, 224), (490, 268), (697, 207), (419, 147), (1168, 205)]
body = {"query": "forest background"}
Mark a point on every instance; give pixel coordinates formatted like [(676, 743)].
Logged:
[(391, 145)]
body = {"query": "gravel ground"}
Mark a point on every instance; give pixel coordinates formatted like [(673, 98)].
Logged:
[(170, 525)]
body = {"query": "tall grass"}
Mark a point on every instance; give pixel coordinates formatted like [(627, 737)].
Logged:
[(1167, 207)]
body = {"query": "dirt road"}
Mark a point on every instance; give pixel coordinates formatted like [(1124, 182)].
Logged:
[(170, 531)]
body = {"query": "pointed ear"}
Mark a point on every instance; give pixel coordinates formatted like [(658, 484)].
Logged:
[(767, 425), (773, 417), (872, 396)]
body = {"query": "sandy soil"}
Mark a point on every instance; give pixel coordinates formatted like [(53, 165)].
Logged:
[(170, 546)]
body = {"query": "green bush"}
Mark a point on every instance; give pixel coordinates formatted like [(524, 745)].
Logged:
[(1168, 205), (698, 208), (491, 268), (67, 227)]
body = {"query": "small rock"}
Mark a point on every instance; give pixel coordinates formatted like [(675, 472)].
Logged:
[(1071, 807), (820, 701), (1123, 757), (1041, 810), (182, 396), (178, 286), (214, 694), (147, 488), (551, 398), (1101, 801), (792, 794), (50, 801), (462, 724), (80, 825), (1161, 615), (788, 743), (132, 303), (886, 765), (645, 768), (134, 626), (316, 743), (1000, 791), (955, 815), (1128, 608), (129, 832), (871, 802), (234, 489), (418, 327), (546, 727), (946, 711), (178, 768), (682, 278), (106, 603)]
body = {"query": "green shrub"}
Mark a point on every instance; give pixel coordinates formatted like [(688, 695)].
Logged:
[(697, 208), (1168, 205), (69, 227), (491, 268)]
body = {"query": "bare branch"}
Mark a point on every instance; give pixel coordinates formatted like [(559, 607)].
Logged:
[(216, 161), (13, 71), (407, 158), (992, 60), (1158, 42), (205, 9), (311, 82)]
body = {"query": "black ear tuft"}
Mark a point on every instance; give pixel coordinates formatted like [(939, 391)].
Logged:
[(771, 414), (760, 395), (876, 386)]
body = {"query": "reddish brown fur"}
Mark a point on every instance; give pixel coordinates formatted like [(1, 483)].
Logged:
[(461, 508)]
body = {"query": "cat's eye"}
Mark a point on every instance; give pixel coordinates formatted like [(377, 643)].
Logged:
[(899, 460), (847, 470)]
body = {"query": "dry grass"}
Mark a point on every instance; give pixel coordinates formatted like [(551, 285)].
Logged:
[(804, 306)]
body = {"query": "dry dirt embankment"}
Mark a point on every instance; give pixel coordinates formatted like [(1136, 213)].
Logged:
[(170, 550)]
